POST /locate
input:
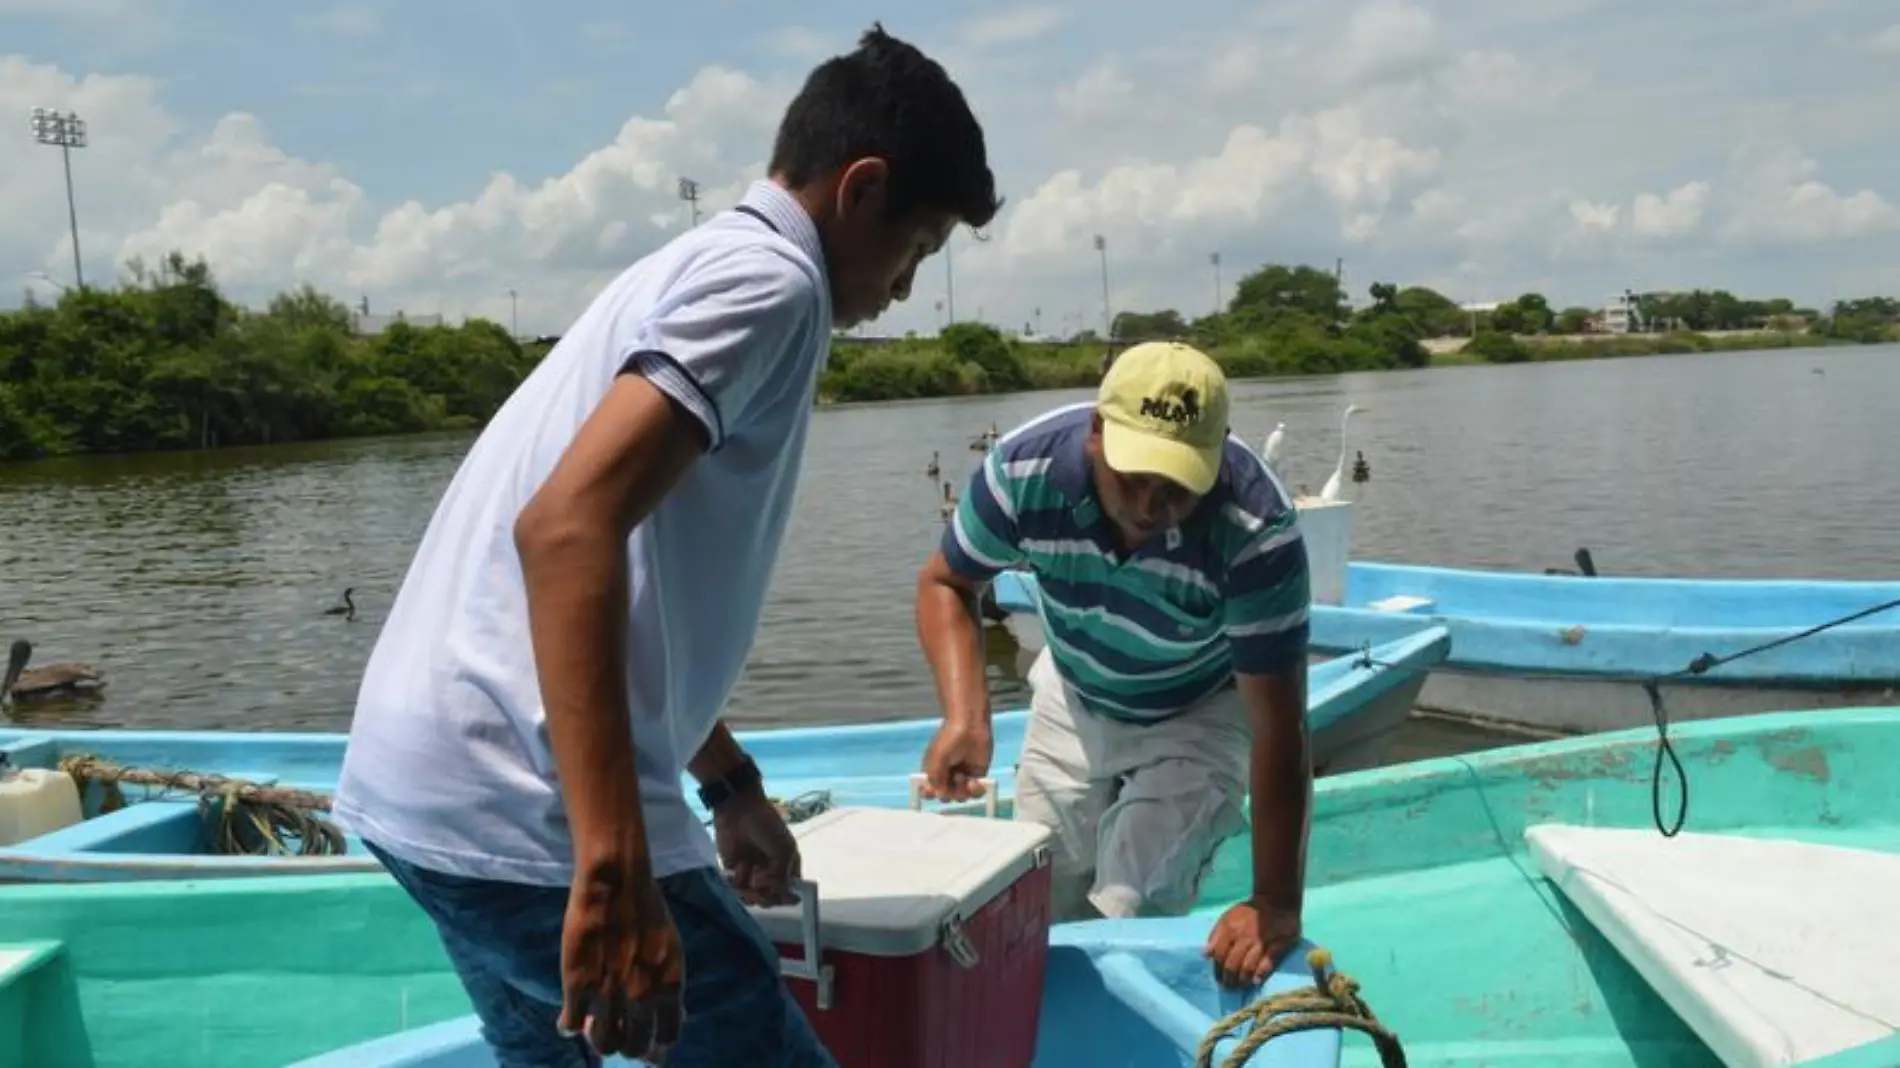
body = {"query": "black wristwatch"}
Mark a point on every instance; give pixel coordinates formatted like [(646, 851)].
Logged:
[(743, 779)]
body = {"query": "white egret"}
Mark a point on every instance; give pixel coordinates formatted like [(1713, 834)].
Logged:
[(1330, 491), (1270, 452)]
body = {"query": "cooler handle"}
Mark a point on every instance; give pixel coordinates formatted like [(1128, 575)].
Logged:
[(811, 967), (918, 779)]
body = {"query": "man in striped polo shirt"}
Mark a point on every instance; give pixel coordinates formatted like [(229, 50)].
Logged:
[(1174, 599)]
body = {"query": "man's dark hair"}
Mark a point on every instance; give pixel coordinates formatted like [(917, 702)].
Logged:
[(887, 99)]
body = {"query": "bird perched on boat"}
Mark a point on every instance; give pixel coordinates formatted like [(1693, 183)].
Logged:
[(932, 471), (347, 609), (1361, 470), (1276, 441), (1330, 491), (64, 679)]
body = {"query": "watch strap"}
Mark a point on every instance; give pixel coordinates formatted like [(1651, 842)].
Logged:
[(743, 778)]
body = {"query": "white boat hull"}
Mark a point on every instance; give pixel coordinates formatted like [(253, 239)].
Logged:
[(1547, 706)]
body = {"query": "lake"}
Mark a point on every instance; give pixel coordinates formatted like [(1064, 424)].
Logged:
[(196, 582)]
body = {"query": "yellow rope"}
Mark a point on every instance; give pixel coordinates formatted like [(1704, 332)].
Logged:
[(1331, 1002), (252, 819)]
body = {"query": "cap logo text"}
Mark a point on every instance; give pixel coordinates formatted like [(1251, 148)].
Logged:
[(1182, 412)]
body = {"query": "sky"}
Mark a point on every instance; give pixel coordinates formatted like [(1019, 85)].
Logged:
[(433, 155)]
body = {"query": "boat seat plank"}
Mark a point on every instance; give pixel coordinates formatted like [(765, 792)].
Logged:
[(1773, 951), (144, 823)]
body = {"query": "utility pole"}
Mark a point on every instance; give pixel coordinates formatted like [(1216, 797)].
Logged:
[(949, 283), (514, 316), (1108, 322), (689, 192), (68, 131), (1214, 258)]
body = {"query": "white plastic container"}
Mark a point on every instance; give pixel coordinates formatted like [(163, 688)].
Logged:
[(35, 801)]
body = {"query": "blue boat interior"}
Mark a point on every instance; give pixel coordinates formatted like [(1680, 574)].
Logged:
[(148, 822), (861, 764), (1116, 994)]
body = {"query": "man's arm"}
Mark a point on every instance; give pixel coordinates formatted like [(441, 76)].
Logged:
[(572, 539), (1267, 597), (717, 756), (1280, 782)]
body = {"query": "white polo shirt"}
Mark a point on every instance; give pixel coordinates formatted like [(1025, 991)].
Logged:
[(449, 765)]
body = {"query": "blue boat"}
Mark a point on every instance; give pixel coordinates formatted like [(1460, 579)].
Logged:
[(1561, 654), (1354, 701), (1116, 994)]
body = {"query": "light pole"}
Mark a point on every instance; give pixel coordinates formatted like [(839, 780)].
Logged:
[(514, 316), (1108, 323), (689, 192), (1214, 258), (68, 131), (949, 282)]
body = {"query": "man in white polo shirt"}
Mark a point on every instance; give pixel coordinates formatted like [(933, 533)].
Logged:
[(600, 562)]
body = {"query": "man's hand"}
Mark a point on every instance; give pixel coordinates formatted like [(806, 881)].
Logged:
[(757, 848), (622, 966), (958, 756), (1250, 940)]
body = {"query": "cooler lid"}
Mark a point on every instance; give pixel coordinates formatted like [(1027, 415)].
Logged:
[(889, 880)]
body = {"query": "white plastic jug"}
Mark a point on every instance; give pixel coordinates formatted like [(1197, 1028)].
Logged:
[(35, 801)]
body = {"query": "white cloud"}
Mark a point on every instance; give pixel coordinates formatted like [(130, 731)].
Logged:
[(346, 20), (1780, 199), (1013, 27), (1673, 215), (1482, 148)]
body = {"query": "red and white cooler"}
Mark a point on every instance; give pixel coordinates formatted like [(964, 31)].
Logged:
[(920, 938)]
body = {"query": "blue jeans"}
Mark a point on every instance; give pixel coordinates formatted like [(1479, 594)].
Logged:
[(505, 942)]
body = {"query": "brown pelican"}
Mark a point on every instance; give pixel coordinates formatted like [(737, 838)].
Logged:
[(66, 679)]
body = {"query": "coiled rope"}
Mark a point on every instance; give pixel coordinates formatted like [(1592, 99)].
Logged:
[(1332, 1002), (249, 818)]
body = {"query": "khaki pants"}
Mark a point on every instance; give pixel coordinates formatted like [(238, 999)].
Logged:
[(1137, 811)]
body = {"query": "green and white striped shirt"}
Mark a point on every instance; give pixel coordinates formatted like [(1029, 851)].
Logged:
[(1145, 636)]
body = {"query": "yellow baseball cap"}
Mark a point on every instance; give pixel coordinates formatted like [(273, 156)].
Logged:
[(1164, 412)]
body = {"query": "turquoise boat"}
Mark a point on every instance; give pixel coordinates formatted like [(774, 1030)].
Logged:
[(1354, 701), (1457, 892), (1560, 654), (283, 970), (1520, 906)]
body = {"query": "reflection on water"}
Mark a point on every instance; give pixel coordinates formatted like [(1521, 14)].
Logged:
[(197, 582)]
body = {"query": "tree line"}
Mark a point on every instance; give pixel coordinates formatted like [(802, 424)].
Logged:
[(1295, 319), (165, 361)]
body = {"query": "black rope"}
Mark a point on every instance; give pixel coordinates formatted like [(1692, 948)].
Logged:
[(1658, 710)]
